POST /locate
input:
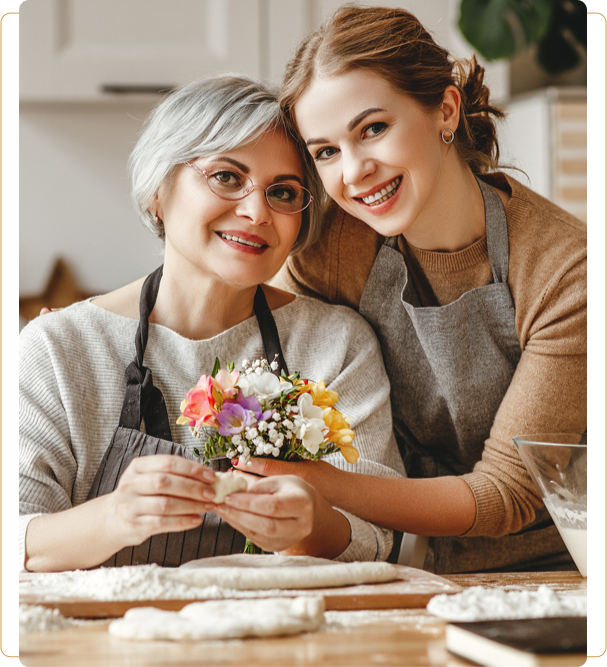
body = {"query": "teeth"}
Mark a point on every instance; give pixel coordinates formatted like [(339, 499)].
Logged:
[(384, 194), (239, 240)]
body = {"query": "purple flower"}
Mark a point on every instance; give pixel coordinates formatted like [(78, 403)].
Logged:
[(250, 403), (233, 418)]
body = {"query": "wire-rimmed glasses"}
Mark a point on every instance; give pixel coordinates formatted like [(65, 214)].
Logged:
[(232, 185)]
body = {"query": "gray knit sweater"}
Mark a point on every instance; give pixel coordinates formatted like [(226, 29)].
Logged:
[(71, 380)]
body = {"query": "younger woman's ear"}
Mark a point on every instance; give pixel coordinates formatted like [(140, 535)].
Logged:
[(450, 107)]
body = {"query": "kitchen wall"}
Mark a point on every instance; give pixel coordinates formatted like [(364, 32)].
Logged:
[(75, 138)]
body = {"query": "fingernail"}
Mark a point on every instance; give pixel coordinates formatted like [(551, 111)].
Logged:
[(207, 474), (208, 494)]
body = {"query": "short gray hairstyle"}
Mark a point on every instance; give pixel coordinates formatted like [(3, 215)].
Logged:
[(210, 116)]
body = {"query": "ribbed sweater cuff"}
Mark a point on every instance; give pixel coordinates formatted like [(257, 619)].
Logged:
[(366, 541), (489, 506)]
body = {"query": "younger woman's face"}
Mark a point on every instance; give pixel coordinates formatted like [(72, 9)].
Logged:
[(377, 151)]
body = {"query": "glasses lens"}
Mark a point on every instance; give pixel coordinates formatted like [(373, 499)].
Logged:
[(288, 197), (228, 184)]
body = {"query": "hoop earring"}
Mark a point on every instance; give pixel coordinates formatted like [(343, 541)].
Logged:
[(450, 138)]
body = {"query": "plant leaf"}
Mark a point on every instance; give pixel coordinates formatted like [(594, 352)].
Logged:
[(216, 367), (499, 28)]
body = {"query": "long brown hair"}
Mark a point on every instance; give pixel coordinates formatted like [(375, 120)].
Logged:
[(395, 45)]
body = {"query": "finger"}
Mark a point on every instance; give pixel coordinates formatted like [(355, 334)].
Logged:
[(156, 525), (167, 484), (262, 529), (167, 506), (172, 464), (265, 467), (44, 310), (278, 506)]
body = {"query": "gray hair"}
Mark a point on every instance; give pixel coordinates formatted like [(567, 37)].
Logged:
[(210, 116)]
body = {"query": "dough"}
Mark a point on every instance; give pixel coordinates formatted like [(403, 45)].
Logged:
[(259, 572), (226, 483), (222, 620)]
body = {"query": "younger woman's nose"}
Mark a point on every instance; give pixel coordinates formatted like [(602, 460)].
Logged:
[(355, 167)]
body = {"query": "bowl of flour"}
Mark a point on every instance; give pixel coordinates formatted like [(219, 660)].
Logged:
[(557, 463)]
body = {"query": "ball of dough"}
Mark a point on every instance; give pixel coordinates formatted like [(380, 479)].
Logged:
[(226, 483)]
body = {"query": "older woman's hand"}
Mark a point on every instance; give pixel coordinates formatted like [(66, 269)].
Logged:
[(158, 494), (286, 514)]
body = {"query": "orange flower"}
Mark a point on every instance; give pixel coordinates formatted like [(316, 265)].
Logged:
[(322, 396), (199, 407), (340, 433)]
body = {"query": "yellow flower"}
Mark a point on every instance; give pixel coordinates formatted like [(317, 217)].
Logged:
[(340, 433), (322, 396), (299, 386)]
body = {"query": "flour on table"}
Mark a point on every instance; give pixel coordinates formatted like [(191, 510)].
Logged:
[(36, 618), (488, 604), (226, 483), (222, 620), (240, 575)]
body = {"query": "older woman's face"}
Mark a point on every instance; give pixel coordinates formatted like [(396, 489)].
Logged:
[(242, 242)]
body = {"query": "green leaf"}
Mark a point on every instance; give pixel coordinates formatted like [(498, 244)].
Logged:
[(231, 366), (216, 367), (196, 451), (500, 28)]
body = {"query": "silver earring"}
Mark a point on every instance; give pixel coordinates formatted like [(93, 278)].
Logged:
[(155, 218), (448, 139)]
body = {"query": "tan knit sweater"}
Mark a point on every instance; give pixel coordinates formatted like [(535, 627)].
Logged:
[(547, 280)]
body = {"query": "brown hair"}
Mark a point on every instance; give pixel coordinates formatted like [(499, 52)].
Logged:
[(395, 45)]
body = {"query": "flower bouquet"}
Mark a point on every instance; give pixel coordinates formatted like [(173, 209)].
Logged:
[(253, 412)]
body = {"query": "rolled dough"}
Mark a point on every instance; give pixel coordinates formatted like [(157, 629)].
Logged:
[(259, 572), (224, 619), (226, 483)]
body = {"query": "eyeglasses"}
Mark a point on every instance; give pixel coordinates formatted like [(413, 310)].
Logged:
[(287, 198)]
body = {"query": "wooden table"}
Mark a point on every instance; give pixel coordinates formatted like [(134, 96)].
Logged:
[(385, 638)]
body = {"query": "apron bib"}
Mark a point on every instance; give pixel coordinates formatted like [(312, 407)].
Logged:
[(449, 369), (144, 401)]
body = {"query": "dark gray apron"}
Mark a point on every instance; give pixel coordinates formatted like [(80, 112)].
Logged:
[(144, 401), (449, 369)]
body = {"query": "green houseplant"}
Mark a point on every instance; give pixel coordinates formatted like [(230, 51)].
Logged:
[(502, 28)]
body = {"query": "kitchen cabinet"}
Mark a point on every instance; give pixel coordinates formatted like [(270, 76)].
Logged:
[(83, 50)]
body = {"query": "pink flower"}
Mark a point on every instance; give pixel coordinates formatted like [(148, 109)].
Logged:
[(198, 407), (225, 382)]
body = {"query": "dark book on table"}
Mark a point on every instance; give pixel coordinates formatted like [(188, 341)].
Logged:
[(532, 641)]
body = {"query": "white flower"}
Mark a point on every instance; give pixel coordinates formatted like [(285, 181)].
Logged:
[(259, 441), (262, 426), (280, 441), (253, 433), (265, 386), (273, 434), (275, 451), (236, 439), (287, 423), (276, 417), (245, 363), (274, 365), (310, 426)]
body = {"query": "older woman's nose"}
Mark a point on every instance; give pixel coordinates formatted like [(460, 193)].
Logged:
[(255, 207)]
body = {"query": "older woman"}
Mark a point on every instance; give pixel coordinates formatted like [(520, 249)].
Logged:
[(215, 175)]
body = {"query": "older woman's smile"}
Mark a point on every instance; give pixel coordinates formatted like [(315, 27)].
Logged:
[(243, 241)]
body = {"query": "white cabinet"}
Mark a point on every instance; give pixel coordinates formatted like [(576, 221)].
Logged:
[(545, 136), (83, 49)]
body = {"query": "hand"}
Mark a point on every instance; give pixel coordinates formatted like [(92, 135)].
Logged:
[(319, 474), (45, 309), (158, 494), (286, 514)]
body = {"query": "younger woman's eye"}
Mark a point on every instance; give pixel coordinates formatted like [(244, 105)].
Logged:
[(325, 153), (374, 129)]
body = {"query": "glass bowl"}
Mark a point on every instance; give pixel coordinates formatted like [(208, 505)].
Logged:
[(557, 463)]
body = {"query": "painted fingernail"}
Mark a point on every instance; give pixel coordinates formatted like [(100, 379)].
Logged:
[(234, 462)]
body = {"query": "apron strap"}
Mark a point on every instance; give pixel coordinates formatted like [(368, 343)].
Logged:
[(269, 332), (496, 229), (142, 400)]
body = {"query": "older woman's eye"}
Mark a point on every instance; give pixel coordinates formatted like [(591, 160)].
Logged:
[(325, 153), (374, 129), (226, 179)]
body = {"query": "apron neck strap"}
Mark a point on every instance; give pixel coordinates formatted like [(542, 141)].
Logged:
[(269, 332), (496, 229)]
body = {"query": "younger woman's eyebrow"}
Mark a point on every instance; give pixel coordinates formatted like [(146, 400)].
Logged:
[(350, 126)]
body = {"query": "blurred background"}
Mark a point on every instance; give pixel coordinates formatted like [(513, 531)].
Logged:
[(90, 71)]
